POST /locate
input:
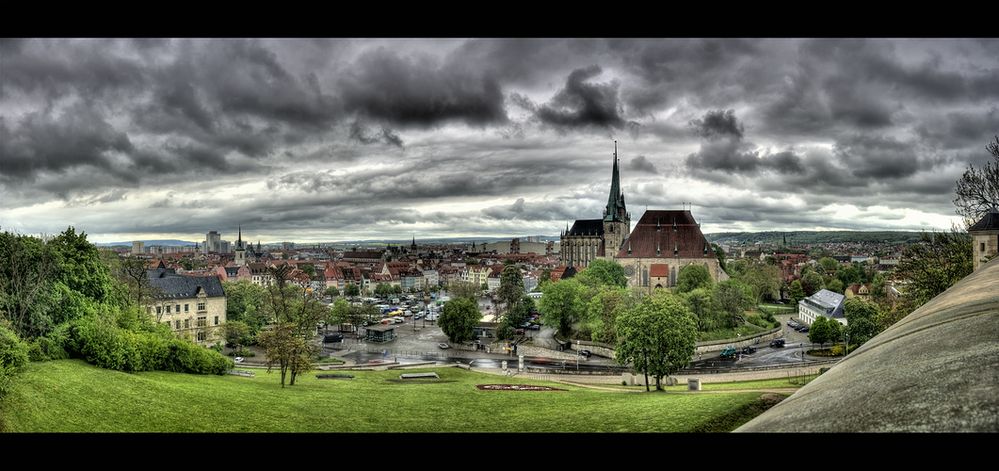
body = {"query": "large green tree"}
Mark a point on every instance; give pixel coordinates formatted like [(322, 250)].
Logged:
[(861, 320), (797, 292), (811, 282), (828, 265), (459, 318), (935, 263), (562, 305), (462, 289), (733, 297), (603, 273), (603, 310), (511, 287), (764, 281), (818, 332), (297, 314), (243, 298), (352, 290), (702, 305), (692, 277), (657, 336)]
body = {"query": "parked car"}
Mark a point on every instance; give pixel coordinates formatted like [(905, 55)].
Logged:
[(443, 346), (748, 350), (728, 352), (238, 359), (777, 343), (334, 337), (585, 353)]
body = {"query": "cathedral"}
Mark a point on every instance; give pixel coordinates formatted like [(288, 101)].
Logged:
[(652, 253)]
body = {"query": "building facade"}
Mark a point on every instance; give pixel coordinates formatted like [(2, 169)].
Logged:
[(823, 303), (193, 307), (985, 238), (590, 239)]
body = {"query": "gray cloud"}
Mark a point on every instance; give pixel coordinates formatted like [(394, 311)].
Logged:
[(642, 164), (305, 136), (582, 104), (416, 92)]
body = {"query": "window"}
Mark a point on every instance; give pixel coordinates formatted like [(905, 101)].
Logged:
[(185, 307), (149, 310), (178, 325), (201, 336), (178, 308), (187, 323), (216, 320), (168, 309), (201, 305), (202, 321), (981, 248), (159, 309)]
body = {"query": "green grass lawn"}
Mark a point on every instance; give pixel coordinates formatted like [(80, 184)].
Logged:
[(70, 395), (744, 330)]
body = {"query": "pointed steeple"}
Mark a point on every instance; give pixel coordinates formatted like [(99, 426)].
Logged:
[(615, 200)]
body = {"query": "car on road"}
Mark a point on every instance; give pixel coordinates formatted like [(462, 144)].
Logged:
[(728, 352), (585, 353), (238, 359), (777, 343), (332, 338), (748, 350), (443, 346)]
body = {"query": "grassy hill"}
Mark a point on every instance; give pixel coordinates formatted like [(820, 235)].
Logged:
[(70, 395)]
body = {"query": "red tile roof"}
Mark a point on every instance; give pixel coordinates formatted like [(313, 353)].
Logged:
[(668, 230), (657, 270)]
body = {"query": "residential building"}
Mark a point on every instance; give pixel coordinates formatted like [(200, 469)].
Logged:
[(823, 303), (193, 307), (985, 238)]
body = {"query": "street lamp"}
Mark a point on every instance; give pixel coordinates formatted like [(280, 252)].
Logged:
[(847, 349)]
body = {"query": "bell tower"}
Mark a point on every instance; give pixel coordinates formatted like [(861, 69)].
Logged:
[(617, 221)]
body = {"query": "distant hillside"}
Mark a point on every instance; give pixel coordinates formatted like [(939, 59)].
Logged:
[(163, 242), (812, 237), (450, 240)]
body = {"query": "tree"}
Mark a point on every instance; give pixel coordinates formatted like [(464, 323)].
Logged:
[(603, 273), (811, 283), (828, 266), (236, 333), (763, 280), (511, 287), (797, 292), (657, 336), (308, 269), (603, 310), (383, 289), (397, 289), (720, 254), (26, 270), (352, 290), (935, 264), (339, 313), (692, 277), (835, 285), (818, 332), (978, 189), (332, 291), (835, 331), (861, 320), (562, 305), (297, 313), (459, 318), (462, 289), (131, 271), (702, 306), (242, 297), (733, 297)]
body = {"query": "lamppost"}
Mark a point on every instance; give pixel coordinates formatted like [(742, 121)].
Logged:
[(847, 346)]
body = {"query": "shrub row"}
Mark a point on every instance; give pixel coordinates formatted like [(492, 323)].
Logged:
[(13, 357), (106, 345)]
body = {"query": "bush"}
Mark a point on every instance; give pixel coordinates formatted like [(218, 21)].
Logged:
[(103, 343), (759, 322), (45, 349), (13, 351), (13, 357)]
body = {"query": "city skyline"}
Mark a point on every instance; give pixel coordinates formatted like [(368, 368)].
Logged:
[(324, 140)]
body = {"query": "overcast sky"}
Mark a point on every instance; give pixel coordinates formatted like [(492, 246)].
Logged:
[(323, 140)]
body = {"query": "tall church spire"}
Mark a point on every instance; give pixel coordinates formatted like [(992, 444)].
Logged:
[(615, 200)]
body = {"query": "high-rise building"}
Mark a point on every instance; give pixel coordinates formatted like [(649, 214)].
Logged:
[(213, 242), (137, 247)]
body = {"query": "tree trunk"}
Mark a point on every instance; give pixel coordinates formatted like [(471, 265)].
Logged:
[(646, 380), (659, 386)]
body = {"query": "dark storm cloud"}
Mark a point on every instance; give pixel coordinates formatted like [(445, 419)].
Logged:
[(718, 124), (414, 91), (642, 164), (40, 142), (556, 210), (582, 104), (365, 136)]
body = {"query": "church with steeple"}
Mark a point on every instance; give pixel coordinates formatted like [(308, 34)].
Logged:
[(590, 239), (652, 254)]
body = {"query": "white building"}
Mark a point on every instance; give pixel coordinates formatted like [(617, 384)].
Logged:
[(823, 303)]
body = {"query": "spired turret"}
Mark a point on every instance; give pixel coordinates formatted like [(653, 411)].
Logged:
[(617, 221)]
